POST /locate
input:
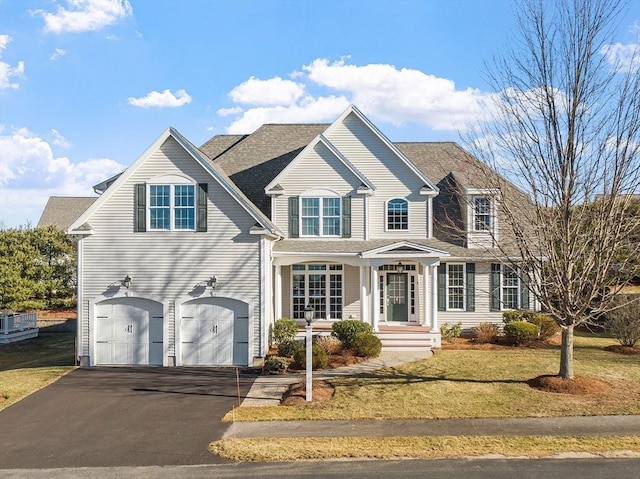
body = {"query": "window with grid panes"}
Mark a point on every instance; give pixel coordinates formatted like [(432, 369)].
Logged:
[(319, 285)]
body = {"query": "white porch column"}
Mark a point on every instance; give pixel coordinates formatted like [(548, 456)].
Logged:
[(434, 298), (277, 305), (364, 304), (426, 282), (375, 299)]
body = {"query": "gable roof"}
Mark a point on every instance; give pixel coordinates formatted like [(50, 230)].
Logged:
[(353, 110), (320, 139), (254, 161), (62, 211), (219, 175)]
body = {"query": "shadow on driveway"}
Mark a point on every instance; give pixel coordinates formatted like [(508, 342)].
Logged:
[(129, 416)]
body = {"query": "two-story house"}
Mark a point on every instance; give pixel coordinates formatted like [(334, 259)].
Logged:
[(191, 254)]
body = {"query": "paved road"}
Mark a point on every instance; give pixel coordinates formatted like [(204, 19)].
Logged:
[(597, 468), (121, 417)]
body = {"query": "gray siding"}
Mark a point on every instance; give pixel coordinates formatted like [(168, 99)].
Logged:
[(351, 292), (169, 264), (390, 176)]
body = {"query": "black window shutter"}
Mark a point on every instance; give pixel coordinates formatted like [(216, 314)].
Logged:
[(203, 189), (346, 217), (294, 227), (494, 287), (140, 208), (524, 291), (442, 287), (471, 286)]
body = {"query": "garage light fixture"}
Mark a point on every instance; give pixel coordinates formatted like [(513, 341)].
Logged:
[(126, 282), (213, 281)]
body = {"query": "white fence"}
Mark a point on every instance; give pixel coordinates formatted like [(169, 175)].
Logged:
[(16, 322)]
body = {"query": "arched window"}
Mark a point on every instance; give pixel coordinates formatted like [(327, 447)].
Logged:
[(397, 214)]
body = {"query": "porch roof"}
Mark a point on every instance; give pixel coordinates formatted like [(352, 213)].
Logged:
[(343, 247)]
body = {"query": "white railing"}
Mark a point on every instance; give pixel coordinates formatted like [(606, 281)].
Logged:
[(15, 322)]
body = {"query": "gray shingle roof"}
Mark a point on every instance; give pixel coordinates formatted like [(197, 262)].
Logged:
[(62, 211), (254, 160)]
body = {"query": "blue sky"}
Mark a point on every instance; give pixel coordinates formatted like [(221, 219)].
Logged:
[(87, 85)]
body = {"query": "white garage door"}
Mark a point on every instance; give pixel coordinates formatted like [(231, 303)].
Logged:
[(214, 332), (128, 332)]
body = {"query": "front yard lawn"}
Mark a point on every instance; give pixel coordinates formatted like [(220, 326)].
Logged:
[(474, 384), (29, 365)]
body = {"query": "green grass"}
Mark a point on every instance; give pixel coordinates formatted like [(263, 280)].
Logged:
[(474, 384), (29, 365), (430, 447)]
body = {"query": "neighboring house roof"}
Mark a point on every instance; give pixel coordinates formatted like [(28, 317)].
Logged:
[(215, 171), (62, 211)]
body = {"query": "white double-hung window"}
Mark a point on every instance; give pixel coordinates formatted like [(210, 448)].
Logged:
[(320, 216), (172, 207)]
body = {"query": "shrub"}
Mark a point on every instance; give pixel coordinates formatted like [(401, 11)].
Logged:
[(31, 305), (546, 325), (366, 345), (330, 344), (624, 322), (319, 360), (485, 333), (451, 332), (347, 329), (511, 316), (519, 332), (284, 329), (287, 349), (276, 364)]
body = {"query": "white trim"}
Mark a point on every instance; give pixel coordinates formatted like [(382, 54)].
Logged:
[(379, 252), (312, 194), (430, 217), (81, 319), (434, 298), (172, 202)]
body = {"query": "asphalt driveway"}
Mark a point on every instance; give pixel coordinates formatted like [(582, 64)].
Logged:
[(121, 417)]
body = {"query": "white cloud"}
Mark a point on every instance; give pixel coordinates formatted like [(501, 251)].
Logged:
[(30, 173), (386, 93), (166, 99), (7, 72), (229, 111), (624, 56), (59, 140), (84, 15), (323, 109), (272, 92), (57, 53)]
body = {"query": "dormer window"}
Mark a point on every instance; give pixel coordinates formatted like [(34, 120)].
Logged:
[(397, 214), (481, 213)]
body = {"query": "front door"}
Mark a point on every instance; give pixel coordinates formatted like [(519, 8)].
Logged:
[(397, 297)]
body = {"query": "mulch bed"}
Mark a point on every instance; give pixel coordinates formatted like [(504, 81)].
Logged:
[(579, 385), (296, 394), (617, 348)]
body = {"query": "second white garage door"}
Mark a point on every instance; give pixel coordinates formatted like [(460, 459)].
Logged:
[(214, 332)]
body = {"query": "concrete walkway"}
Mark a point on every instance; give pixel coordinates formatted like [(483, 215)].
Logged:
[(268, 390)]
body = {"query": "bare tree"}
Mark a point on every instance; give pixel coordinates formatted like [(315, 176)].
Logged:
[(565, 129)]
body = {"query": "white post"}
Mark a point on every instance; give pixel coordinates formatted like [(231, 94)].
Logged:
[(364, 305), (278, 294), (309, 376), (375, 298), (426, 279), (434, 298)]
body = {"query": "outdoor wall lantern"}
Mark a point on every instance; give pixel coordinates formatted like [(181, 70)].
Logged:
[(213, 281), (400, 267), (126, 282)]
